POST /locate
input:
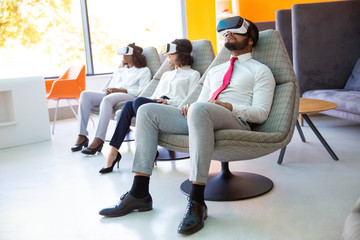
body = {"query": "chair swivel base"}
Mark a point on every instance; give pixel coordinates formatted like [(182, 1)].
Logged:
[(166, 154), (227, 186)]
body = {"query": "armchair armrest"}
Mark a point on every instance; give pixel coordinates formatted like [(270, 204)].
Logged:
[(248, 136)]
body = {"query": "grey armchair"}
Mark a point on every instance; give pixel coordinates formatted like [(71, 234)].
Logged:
[(235, 145)]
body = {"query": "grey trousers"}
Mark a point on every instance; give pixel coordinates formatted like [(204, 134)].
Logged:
[(202, 121), (89, 99)]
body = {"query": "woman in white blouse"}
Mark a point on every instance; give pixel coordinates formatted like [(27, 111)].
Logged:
[(172, 89), (127, 82)]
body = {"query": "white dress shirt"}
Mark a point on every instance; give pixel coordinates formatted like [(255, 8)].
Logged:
[(176, 84), (250, 90), (133, 79)]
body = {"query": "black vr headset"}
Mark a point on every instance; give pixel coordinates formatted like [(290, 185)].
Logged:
[(236, 25)]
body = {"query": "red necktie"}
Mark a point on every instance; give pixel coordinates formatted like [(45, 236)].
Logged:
[(226, 79)]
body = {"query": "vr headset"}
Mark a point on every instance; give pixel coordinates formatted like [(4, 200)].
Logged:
[(169, 48), (236, 25), (126, 50)]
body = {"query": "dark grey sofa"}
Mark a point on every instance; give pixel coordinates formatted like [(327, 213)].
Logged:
[(324, 42)]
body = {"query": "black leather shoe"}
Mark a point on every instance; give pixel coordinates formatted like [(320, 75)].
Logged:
[(194, 218), (128, 204), (78, 147), (90, 151)]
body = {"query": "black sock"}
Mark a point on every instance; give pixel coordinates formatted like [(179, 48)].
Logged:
[(197, 193), (140, 187)]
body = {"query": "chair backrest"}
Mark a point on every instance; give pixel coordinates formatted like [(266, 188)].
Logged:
[(77, 72), (203, 54), (283, 26), (326, 43), (152, 59), (272, 52)]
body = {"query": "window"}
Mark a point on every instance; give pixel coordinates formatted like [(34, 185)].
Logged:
[(115, 23), (46, 37), (40, 37)]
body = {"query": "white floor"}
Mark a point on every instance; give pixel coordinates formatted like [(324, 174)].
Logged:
[(48, 192)]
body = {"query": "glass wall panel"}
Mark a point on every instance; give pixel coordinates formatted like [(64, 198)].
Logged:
[(40, 37), (114, 23)]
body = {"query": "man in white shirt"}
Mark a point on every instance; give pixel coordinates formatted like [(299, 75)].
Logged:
[(245, 95)]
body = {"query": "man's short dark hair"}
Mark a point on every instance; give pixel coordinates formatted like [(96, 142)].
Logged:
[(253, 32)]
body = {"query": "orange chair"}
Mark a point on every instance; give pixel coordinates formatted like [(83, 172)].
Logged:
[(68, 86)]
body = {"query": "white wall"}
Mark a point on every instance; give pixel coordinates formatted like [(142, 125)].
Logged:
[(24, 115)]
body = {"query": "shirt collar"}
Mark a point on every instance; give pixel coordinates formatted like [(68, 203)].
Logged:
[(244, 57)]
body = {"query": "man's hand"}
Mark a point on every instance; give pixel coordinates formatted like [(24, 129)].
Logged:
[(224, 104), (162, 101), (184, 110)]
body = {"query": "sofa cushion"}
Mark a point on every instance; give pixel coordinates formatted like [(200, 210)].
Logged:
[(347, 100), (354, 80)]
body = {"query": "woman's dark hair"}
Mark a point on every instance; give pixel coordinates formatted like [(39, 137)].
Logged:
[(253, 32), (183, 49), (139, 58)]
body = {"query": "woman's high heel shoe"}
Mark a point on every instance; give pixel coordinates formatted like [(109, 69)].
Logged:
[(109, 169), (78, 147), (91, 151)]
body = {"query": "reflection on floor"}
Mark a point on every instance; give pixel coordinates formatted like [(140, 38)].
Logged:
[(48, 192)]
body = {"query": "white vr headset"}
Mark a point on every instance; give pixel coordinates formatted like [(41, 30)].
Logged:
[(126, 50), (236, 25), (169, 48)]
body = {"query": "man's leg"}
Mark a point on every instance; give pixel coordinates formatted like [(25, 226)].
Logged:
[(151, 118), (203, 120)]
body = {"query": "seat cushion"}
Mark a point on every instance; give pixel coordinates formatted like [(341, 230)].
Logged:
[(347, 100)]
